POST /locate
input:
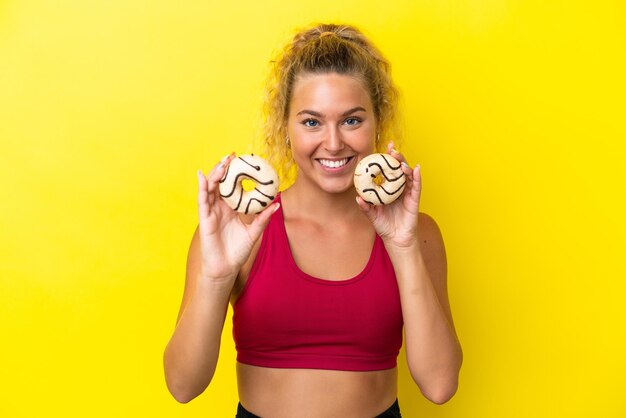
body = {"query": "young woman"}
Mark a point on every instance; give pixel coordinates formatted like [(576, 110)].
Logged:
[(322, 283)]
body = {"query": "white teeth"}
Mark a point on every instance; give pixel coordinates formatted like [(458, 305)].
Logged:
[(333, 164)]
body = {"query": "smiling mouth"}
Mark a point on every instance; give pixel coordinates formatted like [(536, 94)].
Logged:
[(334, 163)]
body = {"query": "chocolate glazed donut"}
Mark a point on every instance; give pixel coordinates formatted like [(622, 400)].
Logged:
[(256, 169), (379, 179)]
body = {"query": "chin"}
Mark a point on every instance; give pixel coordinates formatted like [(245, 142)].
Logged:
[(337, 188)]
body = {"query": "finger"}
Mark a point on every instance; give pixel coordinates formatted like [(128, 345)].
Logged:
[(217, 174), (406, 170), (395, 153), (224, 162), (260, 221), (213, 184), (203, 197), (391, 150), (414, 189), (221, 163), (417, 178)]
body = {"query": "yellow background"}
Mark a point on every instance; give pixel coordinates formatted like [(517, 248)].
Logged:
[(514, 109)]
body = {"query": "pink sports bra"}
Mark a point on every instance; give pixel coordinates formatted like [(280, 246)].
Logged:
[(285, 318)]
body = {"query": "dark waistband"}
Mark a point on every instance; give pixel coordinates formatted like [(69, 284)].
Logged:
[(392, 412)]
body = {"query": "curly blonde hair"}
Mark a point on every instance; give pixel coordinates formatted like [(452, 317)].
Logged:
[(322, 49)]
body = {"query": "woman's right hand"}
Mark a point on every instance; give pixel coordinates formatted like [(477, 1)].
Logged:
[(221, 245), (225, 240)]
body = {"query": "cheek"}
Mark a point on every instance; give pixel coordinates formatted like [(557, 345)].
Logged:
[(301, 148), (305, 141), (364, 141)]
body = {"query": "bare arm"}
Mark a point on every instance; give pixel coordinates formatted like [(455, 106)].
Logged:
[(416, 249), (434, 354), (219, 248), (191, 355)]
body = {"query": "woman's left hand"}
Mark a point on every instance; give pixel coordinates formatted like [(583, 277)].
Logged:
[(396, 223)]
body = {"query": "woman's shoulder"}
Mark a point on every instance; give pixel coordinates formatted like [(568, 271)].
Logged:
[(429, 234), (427, 224)]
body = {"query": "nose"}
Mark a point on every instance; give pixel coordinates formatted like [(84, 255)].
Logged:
[(334, 140)]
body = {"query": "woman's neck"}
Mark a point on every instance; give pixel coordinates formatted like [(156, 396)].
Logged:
[(318, 205)]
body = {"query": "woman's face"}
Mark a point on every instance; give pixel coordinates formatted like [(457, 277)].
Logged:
[(331, 127)]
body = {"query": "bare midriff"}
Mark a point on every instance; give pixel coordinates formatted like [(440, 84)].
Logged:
[(312, 393)]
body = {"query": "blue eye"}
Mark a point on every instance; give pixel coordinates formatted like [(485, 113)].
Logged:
[(352, 121), (311, 123)]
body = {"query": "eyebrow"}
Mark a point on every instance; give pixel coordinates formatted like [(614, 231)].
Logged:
[(319, 115)]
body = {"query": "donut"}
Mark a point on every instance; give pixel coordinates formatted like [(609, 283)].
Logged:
[(253, 168), (390, 183)]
